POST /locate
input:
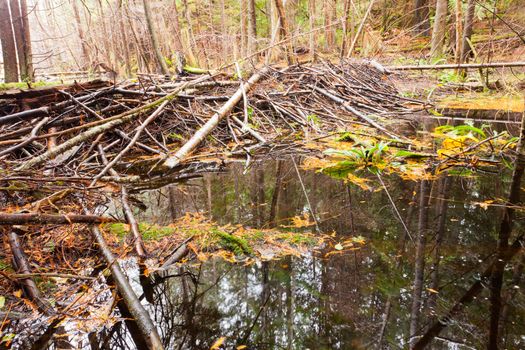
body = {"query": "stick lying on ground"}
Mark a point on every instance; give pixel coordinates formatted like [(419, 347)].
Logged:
[(458, 66), (205, 130), (42, 219)]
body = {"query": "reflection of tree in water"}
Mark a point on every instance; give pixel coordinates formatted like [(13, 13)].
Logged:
[(346, 301)]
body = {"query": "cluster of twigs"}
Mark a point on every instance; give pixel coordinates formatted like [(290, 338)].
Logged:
[(70, 144)]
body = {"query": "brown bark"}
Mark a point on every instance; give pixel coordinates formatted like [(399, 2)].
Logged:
[(244, 28), (42, 219), (8, 44), (27, 41), (22, 266), (153, 37), (252, 27), (290, 57), (438, 31), (468, 29), (18, 31), (311, 24), (421, 17), (81, 36)]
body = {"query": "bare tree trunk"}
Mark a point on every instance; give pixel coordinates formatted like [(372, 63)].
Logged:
[(244, 28), (290, 57), (346, 23), (8, 44), (176, 27), (16, 19), (252, 27), (26, 42), (154, 41), (125, 41), (459, 30), (440, 25), (421, 17), (83, 45), (466, 49), (419, 268), (311, 23)]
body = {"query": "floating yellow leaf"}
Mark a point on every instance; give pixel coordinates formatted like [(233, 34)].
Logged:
[(218, 343)]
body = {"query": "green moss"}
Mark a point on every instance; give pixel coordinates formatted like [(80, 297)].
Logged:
[(148, 231), (4, 265), (237, 245)]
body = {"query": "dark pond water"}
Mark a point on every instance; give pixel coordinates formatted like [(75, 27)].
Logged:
[(357, 300)]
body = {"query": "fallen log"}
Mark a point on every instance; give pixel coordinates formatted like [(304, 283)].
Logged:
[(458, 66), (57, 219), (22, 266), (205, 130), (137, 311)]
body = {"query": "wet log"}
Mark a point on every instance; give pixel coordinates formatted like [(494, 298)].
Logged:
[(132, 302), (212, 123), (57, 219)]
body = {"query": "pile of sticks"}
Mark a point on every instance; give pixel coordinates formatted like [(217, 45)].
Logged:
[(70, 144)]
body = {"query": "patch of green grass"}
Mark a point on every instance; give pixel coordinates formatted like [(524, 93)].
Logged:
[(4, 265), (25, 86)]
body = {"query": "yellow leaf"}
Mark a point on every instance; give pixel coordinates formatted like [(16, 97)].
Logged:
[(242, 347), (218, 343), (18, 293), (338, 246), (432, 290)]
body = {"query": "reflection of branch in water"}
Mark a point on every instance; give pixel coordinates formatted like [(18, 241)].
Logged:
[(249, 331)]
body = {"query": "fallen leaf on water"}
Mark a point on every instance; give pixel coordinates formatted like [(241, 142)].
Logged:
[(218, 343)]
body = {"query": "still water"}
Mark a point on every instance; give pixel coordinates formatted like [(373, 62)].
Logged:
[(359, 299)]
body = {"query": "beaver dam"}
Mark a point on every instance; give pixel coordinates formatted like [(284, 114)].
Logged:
[(313, 206)]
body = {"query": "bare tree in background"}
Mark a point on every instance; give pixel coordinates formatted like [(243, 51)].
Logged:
[(153, 37), (440, 26), (8, 44)]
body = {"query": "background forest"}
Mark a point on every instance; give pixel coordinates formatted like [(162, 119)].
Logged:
[(46, 37)]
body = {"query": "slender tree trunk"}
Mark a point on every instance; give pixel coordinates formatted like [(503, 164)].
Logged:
[(252, 27), (466, 49), (421, 17), (311, 23), (83, 44), (346, 22), (154, 40), (125, 41), (8, 44), (244, 28), (18, 31), (176, 27), (459, 29), (26, 42), (440, 25), (419, 269), (290, 57)]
